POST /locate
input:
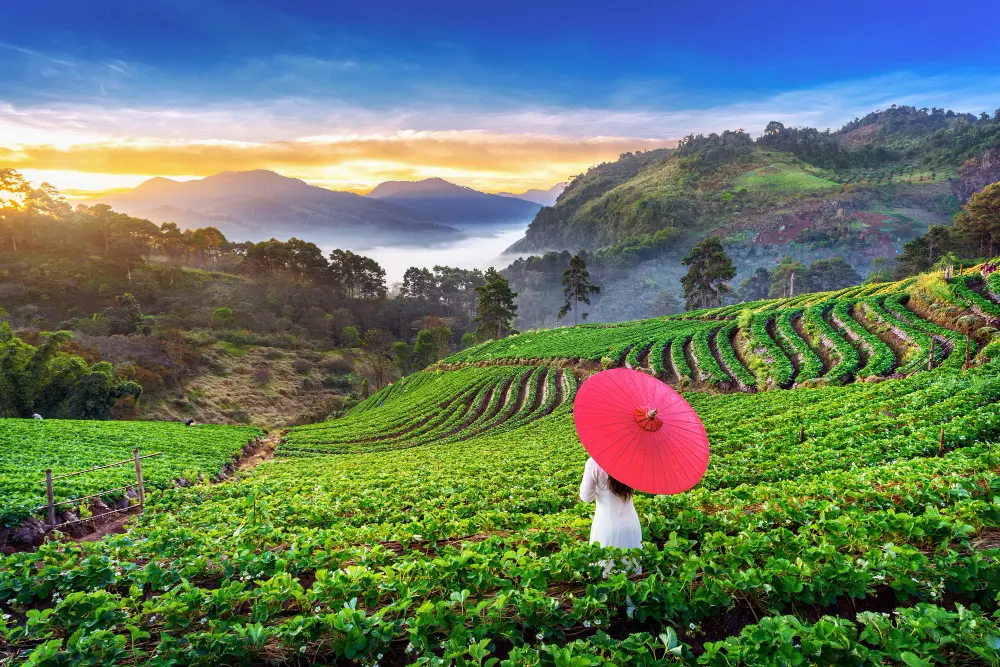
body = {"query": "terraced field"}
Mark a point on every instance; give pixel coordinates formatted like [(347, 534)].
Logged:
[(860, 333), (839, 523)]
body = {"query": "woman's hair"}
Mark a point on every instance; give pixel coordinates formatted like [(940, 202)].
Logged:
[(620, 489)]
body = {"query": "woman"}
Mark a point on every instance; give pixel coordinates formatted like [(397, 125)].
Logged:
[(615, 522)]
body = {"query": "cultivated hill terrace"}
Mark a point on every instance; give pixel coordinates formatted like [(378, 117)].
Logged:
[(848, 520)]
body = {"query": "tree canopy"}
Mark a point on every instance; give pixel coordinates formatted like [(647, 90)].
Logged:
[(495, 307), (576, 287), (709, 267)]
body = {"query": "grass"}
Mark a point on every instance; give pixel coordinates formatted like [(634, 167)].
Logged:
[(232, 349), (781, 178)]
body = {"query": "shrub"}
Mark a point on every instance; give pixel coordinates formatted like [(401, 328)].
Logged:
[(92, 326), (337, 366), (349, 337)]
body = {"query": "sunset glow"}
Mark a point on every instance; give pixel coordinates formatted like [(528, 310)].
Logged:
[(486, 162)]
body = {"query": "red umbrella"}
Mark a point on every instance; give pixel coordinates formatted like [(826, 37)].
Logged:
[(641, 431)]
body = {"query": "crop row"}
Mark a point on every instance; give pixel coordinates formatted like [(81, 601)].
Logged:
[(482, 400), (810, 365), (777, 369), (881, 359), (824, 499), (727, 353), (845, 355), (960, 286), (28, 447)]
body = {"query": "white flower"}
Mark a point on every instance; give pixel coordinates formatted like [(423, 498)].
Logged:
[(379, 656), (6, 617), (539, 636), (586, 624), (302, 649), (691, 625), (597, 622), (409, 647), (203, 621), (316, 609)]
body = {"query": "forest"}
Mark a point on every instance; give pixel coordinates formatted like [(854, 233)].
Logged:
[(171, 309)]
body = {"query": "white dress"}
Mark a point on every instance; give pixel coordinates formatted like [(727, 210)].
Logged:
[(615, 522)]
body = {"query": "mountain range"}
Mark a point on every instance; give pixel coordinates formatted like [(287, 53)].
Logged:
[(446, 203), (259, 204)]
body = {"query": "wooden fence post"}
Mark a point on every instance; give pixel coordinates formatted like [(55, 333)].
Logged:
[(941, 443), (138, 479), (52, 497), (930, 358), (966, 352)]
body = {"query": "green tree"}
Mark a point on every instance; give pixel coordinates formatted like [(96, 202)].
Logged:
[(665, 302), (756, 286), (468, 340), (356, 276), (921, 253), (431, 345), (978, 225), (881, 270), (418, 284), (45, 379), (784, 277), (124, 318), (495, 307), (709, 267), (576, 287), (379, 360), (97, 393), (401, 352), (827, 275), (349, 336)]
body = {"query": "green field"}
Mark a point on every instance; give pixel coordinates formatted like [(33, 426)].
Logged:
[(781, 178), (28, 447), (839, 523)]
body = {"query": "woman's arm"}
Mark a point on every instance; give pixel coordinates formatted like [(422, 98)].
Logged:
[(588, 487)]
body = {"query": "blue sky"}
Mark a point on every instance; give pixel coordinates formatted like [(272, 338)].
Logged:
[(469, 90)]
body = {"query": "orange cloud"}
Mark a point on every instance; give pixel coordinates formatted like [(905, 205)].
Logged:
[(491, 161)]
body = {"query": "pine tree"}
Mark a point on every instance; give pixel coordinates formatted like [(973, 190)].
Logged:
[(495, 307), (709, 268), (576, 287)]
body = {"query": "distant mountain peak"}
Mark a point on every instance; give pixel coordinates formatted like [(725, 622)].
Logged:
[(538, 196), (260, 203), (428, 187), (443, 202)]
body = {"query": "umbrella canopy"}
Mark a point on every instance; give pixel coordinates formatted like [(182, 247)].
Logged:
[(641, 431)]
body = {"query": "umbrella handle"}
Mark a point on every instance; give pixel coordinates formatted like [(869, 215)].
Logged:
[(647, 419)]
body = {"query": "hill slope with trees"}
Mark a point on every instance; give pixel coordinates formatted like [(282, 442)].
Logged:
[(854, 197)]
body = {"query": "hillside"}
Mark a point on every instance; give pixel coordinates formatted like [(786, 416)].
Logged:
[(440, 518), (860, 192), (439, 201), (258, 205)]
